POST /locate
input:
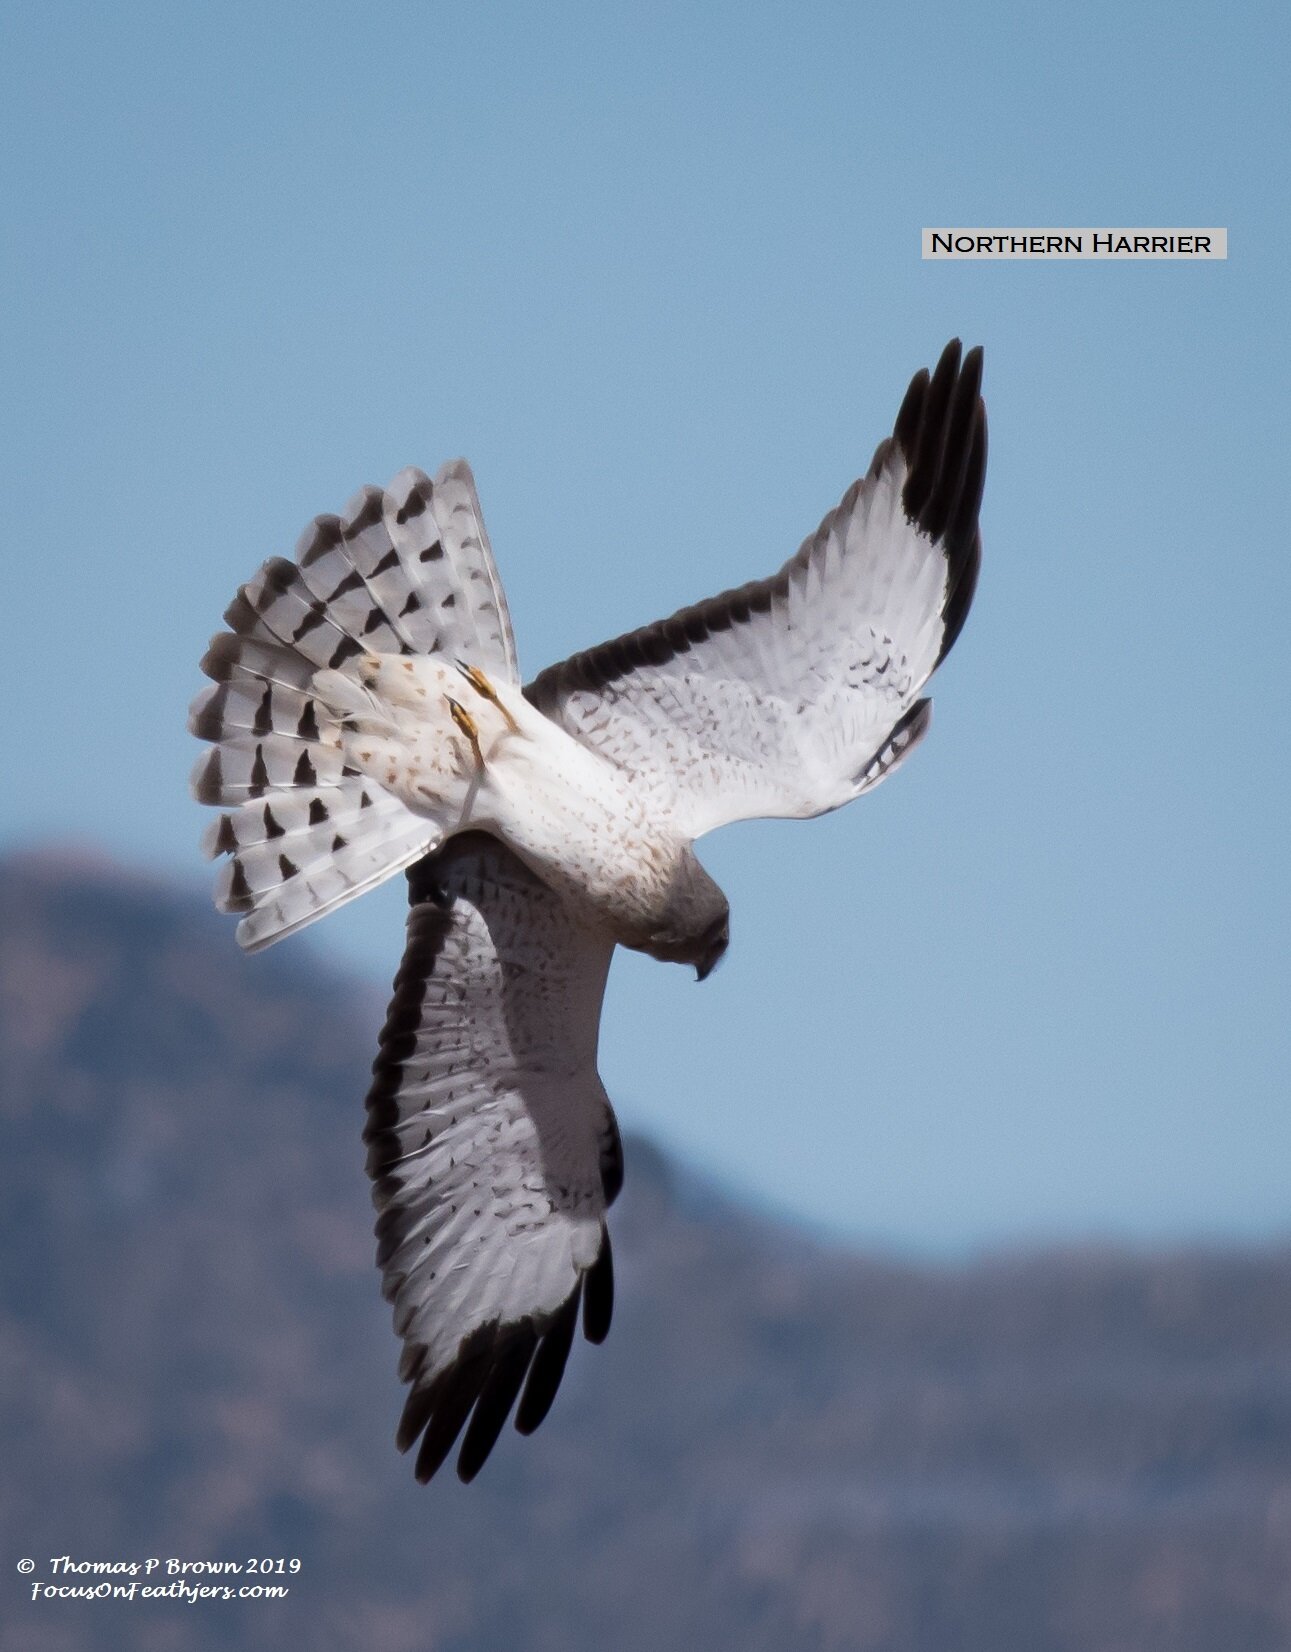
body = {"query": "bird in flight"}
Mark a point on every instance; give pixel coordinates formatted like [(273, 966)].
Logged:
[(366, 716)]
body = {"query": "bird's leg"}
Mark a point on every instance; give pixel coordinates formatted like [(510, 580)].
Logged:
[(481, 684), (468, 726)]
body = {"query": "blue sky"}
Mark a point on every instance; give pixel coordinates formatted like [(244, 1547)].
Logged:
[(655, 271)]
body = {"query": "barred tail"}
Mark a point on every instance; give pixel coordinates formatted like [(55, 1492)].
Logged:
[(303, 832), (406, 571)]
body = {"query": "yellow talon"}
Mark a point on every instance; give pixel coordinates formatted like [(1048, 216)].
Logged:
[(467, 724), (482, 686)]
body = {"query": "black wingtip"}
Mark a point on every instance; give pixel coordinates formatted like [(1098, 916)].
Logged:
[(548, 1366), (906, 429), (923, 446), (941, 433), (511, 1360), (450, 1399), (598, 1292), (491, 1368)]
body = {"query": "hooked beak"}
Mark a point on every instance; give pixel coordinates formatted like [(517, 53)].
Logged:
[(717, 941)]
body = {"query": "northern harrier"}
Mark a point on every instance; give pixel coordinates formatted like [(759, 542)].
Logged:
[(367, 716)]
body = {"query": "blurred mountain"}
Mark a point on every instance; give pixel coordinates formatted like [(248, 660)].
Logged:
[(781, 1446)]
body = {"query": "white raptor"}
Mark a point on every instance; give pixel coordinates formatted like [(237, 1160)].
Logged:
[(367, 716)]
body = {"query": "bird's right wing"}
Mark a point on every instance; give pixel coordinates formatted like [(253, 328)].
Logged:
[(492, 1147), (794, 694)]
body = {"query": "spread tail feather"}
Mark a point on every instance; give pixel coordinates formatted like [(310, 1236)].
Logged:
[(406, 571), (303, 831)]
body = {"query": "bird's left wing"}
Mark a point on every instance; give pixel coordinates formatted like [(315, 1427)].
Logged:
[(794, 694), (492, 1147)]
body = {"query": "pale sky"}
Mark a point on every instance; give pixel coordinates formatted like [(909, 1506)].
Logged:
[(655, 271)]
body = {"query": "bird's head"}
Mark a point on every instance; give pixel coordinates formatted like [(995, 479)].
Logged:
[(694, 926)]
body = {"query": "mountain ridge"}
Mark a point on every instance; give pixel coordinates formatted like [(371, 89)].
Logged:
[(782, 1444)]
